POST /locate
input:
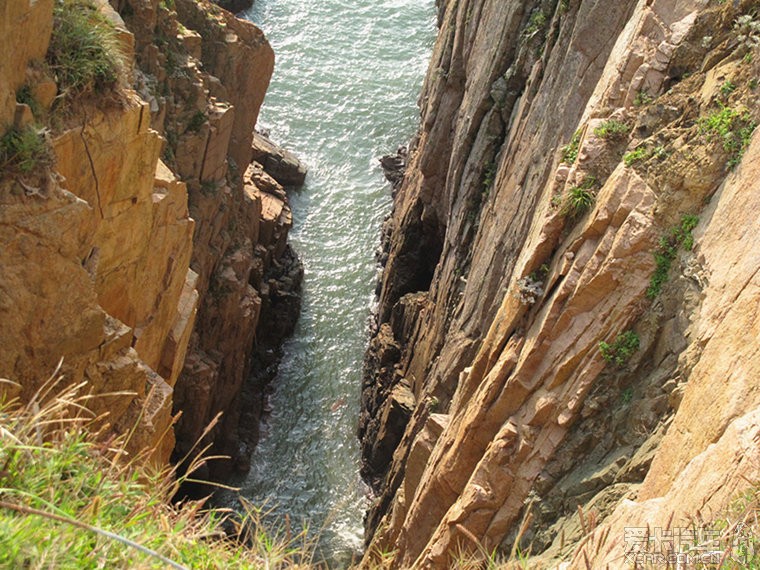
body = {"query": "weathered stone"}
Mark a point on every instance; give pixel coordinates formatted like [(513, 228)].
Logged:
[(539, 422), (25, 29), (95, 255), (280, 164)]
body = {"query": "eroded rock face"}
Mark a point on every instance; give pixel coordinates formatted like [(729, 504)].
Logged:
[(149, 264), (25, 31), (205, 73), (497, 290), (95, 259), (280, 164), (709, 453)]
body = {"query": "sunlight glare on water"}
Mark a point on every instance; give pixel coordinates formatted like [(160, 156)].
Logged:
[(344, 91)]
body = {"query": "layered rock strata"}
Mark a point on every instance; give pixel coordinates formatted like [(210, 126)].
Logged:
[(150, 264), (549, 212)]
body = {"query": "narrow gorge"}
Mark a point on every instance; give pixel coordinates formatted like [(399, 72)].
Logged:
[(545, 335)]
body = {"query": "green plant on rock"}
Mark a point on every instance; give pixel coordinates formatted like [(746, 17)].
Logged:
[(24, 150), (489, 176), (85, 52), (579, 199), (196, 122), (642, 98), (25, 96), (727, 88), (536, 23), (620, 351), (660, 153), (732, 127), (679, 236), (570, 150), (636, 155), (612, 129)]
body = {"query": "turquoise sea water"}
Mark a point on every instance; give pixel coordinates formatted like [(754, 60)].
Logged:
[(344, 91)]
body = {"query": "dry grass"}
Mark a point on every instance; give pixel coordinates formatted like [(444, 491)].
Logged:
[(72, 498)]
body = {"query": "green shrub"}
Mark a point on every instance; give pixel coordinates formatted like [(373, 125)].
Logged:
[(536, 23), (84, 52), (611, 129), (680, 236), (620, 351), (24, 150), (642, 98), (579, 199), (24, 95), (727, 87), (733, 128), (196, 122), (570, 150), (640, 153)]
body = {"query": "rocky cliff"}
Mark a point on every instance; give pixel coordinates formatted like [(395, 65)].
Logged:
[(141, 243), (567, 319)]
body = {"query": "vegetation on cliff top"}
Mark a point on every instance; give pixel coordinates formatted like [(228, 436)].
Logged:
[(70, 499), (85, 52)]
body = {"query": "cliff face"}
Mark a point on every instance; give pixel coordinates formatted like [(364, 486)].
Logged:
[(146, 263), (553, 308)]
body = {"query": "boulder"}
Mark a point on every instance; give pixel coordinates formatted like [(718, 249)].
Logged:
[(280, 164)]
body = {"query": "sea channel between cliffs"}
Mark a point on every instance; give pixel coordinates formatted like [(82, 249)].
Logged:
[(343, 93)]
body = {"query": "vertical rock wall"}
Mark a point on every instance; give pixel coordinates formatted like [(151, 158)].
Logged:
[(487, 401), (152, 250), (95, 257)]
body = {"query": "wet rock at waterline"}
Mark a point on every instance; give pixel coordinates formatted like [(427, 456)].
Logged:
[(394, 166), (280, 164)]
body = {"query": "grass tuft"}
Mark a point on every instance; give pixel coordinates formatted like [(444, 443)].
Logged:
[(24, 150), (84, 52), (570, 150), (579, 199), (612, 129)]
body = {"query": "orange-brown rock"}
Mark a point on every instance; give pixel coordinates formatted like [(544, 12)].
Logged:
[(204, 74), (96, 269), (281, 164), (710, 453), (25, 29), (102, 263), (497, 291)]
